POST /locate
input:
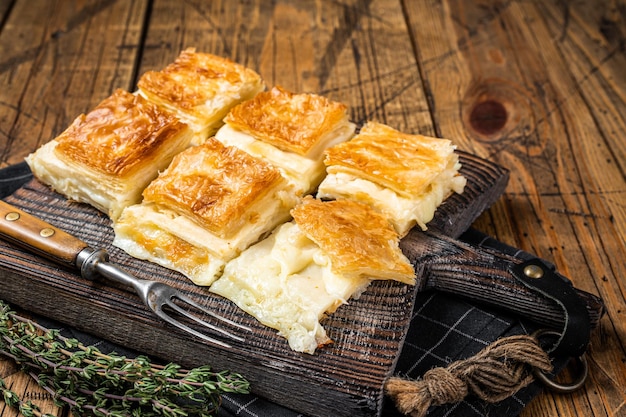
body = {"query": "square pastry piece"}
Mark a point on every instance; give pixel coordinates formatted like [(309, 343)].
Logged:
[(403, 176), (108, 156), (289, 130), (310, 266), (211, 203), (200, 88)]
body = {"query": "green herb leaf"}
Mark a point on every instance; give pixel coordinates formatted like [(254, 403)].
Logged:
[(108, 385)]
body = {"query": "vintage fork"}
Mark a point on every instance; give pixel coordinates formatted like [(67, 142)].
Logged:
[(43, 238)]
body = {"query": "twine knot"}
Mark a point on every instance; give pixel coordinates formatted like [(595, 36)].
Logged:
[(493, 374), (444, 386)]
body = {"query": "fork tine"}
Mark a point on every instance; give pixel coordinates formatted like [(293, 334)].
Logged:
[(159, 312), (154, 294), (205, 310), (187, 314)]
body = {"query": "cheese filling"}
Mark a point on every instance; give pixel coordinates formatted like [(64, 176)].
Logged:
[(286, 282), (109, 195), (148, 232), (403, 212), (304, 172)]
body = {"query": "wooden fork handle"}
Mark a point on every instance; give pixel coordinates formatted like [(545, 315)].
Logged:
[(38, 236)]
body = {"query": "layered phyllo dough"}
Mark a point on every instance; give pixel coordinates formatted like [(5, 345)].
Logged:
[(307, 268), (289, 130), (200, 88), (403, 176), (212, 202), (109, 155)]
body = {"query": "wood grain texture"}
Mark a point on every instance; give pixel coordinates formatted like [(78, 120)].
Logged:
[(557, 69), (343, 379), (59, 59), (536, 86), (27, 389), (22, 228), (484, 276)]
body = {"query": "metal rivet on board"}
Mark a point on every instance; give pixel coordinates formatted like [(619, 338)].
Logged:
[(533, 271)]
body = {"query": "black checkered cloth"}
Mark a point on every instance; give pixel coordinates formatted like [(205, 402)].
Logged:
[(443, 329)]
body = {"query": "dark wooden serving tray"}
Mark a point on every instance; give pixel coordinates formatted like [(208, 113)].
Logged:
[(343, 379)]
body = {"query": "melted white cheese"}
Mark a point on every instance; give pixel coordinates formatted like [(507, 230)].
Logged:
[(403, 212), (286, 282), (146, 222), (304, 172), (108, 195)]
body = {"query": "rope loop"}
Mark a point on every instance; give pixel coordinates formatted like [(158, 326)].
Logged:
[(493, 374)]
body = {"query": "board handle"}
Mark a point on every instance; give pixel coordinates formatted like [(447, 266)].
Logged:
[(38, 236), (501, 279)]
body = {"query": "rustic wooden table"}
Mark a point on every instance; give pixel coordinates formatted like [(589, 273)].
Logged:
[(536, 86)]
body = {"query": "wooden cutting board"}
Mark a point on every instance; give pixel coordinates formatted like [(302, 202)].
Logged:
[(343, 379)]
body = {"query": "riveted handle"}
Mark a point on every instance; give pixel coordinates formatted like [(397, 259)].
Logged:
[(485, 275), (38, 236)]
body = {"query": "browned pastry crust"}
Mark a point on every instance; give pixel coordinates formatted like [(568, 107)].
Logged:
[(215, 185), (403, 162), (200, 88), (307, 268), (358, 240), (291, 122), (193, 78), (123, 133), (106, 157)]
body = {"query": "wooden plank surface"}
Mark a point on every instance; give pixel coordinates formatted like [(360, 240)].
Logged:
[(557, 69), (440, 67), (343, 379)]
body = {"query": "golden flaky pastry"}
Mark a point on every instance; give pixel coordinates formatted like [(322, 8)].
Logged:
[(357, 240), (404, 176), (290, 131), (309, 267), (106, 157), (211, 203), (200, 88)]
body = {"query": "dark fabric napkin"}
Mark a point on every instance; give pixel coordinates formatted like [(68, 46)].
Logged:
[(443, 329)]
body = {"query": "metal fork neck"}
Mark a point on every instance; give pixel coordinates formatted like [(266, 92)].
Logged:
[(95, 262), (87, 262)]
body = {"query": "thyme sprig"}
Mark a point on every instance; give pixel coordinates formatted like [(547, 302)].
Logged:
[(93, 383)]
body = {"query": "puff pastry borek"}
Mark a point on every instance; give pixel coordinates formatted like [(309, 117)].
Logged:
[(108, 156), (211, 203), (200, 88), (290, 131), (310, 266), (404, 176)]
